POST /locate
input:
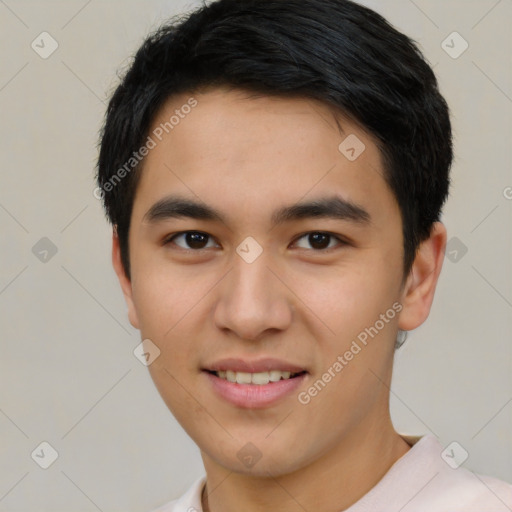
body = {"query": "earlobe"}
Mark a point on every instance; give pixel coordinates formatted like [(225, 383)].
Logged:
[(420, 286), (126, 285)]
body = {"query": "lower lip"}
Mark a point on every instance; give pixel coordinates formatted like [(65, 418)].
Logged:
[(254, 396)]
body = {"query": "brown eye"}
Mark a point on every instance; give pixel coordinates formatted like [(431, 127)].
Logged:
[(195, 240), (319, 241)]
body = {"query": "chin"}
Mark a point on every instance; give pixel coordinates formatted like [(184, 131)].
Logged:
[(261, 469), (252, 461)]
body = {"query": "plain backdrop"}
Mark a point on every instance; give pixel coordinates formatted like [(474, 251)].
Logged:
[(68, 375)]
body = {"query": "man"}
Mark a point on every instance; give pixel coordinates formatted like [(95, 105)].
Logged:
[(275, 173)]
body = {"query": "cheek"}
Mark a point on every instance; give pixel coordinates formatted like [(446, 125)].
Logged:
[(163, 295), (153, 298), (345, 300), (171, 307)]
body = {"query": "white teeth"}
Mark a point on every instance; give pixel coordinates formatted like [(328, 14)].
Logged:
[(243, 378), (260, 378), (275, 375)]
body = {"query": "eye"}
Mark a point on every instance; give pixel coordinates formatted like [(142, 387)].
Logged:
[(319, 240), (191, 240), (197, 240)]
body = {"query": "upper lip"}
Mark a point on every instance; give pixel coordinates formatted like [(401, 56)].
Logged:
[(260, 365)]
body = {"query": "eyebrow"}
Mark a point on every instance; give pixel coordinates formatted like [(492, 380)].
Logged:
[(332, 207)]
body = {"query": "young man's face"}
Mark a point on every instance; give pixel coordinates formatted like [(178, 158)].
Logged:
[(302, 301)]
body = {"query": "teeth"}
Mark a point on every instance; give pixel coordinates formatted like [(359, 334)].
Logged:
[(260, 378), (275, 375), (243, 378)]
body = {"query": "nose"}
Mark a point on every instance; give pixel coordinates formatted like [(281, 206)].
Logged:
[(252, 301)]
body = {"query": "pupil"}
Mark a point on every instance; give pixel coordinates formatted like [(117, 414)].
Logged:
[(319, 240), (196, 240)]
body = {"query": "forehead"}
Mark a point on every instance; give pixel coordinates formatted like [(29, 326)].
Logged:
[(250, 154)]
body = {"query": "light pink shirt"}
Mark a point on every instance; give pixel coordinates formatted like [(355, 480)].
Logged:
[(420, 481)]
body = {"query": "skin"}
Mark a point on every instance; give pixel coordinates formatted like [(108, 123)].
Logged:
[(247, 156)]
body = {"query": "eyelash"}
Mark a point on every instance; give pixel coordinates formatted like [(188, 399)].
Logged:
[(170, 239)]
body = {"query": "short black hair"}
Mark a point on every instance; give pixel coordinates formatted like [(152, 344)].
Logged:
[(335, 51)]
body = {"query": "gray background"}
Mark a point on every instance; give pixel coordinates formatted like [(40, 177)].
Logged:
[(68, 375)]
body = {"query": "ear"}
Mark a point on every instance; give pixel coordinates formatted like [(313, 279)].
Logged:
[(125, 283), (418, 292)]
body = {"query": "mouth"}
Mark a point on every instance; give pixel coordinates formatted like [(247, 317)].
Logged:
[(258, 378), (254, 390)]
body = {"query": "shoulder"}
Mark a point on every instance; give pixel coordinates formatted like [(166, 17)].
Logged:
[(466, 491), (449, 487), (431, 478)]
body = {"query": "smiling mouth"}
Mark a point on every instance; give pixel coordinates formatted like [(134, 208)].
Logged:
[(259, 378)]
